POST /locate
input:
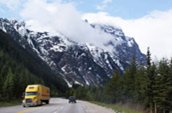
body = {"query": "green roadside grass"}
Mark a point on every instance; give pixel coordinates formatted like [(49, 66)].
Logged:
[(10, 103), (119, 108)]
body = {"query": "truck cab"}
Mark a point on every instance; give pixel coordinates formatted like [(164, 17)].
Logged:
[(35, 95)]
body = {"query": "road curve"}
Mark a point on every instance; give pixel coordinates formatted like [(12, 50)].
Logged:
[(58, 105)]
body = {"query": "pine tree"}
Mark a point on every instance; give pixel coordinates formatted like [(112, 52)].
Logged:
[(130, 81), (148, 58), (9, 85), (1, 85), (141, 85), (169, 94), (114, 89), (163, 86), (151, 73)]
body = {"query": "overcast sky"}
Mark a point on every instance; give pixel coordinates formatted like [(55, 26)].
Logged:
[(148, 21)]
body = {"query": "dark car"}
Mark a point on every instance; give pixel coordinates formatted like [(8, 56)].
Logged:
[(72, 99)]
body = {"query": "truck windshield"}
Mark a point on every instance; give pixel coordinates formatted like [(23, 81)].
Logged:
[(31, 93)]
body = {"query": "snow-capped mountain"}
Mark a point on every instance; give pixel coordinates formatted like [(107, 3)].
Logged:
[(84, 64)]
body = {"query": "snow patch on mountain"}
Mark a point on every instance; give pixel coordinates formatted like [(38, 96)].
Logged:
[(85, 63)]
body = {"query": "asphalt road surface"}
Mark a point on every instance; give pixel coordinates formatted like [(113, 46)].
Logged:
[(58, 105)]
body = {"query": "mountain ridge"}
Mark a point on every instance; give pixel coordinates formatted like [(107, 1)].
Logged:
[(26, 66), (84, 64)]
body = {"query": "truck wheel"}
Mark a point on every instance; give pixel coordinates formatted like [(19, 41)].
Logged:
[(39, 103), (47, 101)]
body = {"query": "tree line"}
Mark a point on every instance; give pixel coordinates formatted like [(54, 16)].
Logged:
[(149, 86), (14, 78), (20, 67)]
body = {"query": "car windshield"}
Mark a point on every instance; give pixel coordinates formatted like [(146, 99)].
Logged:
[(72, 97), (31, 93)]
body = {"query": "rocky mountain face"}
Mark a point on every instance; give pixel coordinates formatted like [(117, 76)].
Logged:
[(83, 64)]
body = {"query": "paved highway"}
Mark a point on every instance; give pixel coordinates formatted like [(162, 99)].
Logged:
[(58, 105)]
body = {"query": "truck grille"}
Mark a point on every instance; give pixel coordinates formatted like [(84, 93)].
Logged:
[(28, 100)]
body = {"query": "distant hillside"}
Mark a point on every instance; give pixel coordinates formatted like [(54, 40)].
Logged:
[(19, 67)]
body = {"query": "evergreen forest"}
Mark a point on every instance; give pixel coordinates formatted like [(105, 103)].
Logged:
[(18, 68), (149, 85)]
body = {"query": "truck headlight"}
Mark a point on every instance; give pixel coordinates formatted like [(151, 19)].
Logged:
[(24, 101)]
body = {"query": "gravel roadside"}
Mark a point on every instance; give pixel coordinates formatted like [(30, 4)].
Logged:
[(93, 108)]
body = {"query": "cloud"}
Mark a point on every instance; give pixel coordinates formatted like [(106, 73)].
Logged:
[(11, 4), (103, 5), (153, 30), (64, 18)]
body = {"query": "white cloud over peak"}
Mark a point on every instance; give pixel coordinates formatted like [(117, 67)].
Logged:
[(64, 18), (11, 4), (153, 30)]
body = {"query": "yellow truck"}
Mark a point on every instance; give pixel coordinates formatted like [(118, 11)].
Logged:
[(36, 95)]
